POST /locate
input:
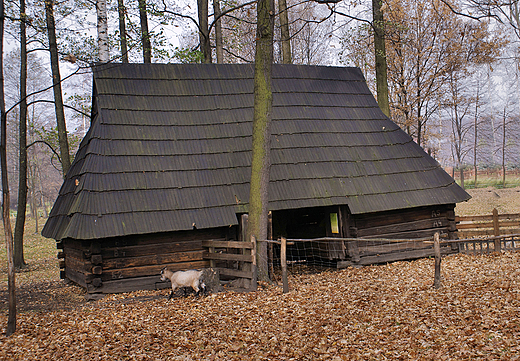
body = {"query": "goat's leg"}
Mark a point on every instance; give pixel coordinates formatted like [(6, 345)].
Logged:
[(171, 293)]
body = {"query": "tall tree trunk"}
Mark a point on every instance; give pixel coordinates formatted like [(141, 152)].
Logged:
[(205, 44), (380, 54), (285, 36), (219, 50), (19, 261), (263, 102), (102, 30), (145, 34), (11, 285), (122, 31), (475, 142), (56, 81), (504, 143)]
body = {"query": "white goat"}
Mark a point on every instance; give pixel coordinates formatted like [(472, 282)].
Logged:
[(191, 278)]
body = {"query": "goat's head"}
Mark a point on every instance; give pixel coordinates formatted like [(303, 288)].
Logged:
[(163, 274)]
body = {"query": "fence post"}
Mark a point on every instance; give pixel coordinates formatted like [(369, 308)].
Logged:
[(283, 260), (254, 271), (496, 230), (437, 250)]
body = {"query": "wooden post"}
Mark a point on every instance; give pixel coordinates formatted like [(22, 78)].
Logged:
[(270, 244), (283, 260), (437, 250), (254, 279), (496, 230)]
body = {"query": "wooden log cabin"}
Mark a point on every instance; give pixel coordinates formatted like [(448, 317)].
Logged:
[(165, 167)]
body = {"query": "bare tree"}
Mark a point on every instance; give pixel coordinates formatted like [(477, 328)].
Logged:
[(378, 24), (121, 10), (19, 261), (145, 33), (56, 79), (102, 30), (11, 320)]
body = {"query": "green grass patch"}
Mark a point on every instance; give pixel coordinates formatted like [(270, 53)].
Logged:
[(486, 181), (40, 255)]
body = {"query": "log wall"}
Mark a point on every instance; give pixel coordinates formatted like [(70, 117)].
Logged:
[(124, 264)]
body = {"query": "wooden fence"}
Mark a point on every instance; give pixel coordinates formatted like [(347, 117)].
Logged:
[(233, 259), (488, 225)]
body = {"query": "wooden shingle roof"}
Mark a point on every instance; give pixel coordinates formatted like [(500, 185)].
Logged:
[(169, 148)]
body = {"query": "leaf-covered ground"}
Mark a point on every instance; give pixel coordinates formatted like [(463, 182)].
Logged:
[(388, 312)]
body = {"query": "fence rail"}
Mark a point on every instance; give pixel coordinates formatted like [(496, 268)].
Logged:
[(488, 225)]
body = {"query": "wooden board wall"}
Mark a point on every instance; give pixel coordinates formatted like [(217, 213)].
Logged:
[(406, 224)]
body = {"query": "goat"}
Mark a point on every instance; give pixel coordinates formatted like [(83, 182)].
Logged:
[(191, 278)]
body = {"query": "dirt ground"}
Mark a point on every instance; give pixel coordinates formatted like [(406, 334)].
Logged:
[(485, 199)]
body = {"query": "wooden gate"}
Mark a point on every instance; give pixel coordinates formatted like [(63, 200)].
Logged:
[(233, 259)]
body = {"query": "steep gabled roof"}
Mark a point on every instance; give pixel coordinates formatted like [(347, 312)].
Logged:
[(169, 147)]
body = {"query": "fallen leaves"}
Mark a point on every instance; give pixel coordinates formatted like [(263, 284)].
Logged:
[(379, 312)]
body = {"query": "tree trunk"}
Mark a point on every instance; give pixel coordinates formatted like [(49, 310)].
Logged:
[(380, 55), (219, 50), (285, 36), (56, 80), (475, 143), (145, 35), (504, 150), (260, 164), (122, 31), (19, 261), (102, 30), (11, 285), (205, 44)]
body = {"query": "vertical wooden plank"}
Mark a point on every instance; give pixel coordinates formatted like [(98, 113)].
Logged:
[(212, 262), (270, 244), (437, 250), (283, 260), (254, 278), (496, 229)]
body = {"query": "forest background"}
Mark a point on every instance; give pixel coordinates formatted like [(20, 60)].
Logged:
[(453, 80)]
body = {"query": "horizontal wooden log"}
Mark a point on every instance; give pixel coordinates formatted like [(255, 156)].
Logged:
[(76, 253), (404, 227), (96, 259), (61, 255), (150, 249), (144, 271), (503, 224), (401, 256), (227, 244), (165, 238), (487, 217), (371, 220), (157, 259), (228, 257), (76, 277), (79, 265), (484, 232), (411, 234), (61, 264), (461, 226), (128, 285), (59, 245), (391, 247), (235, 273), (96, 282)]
